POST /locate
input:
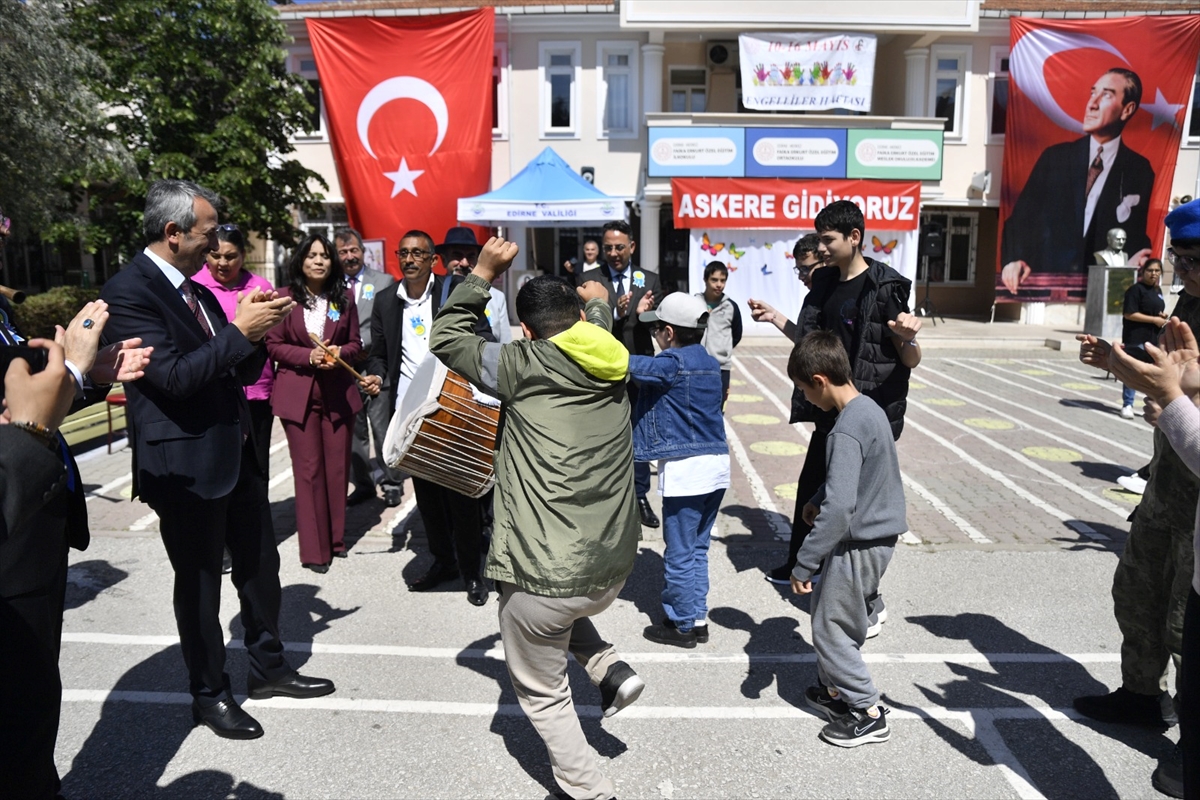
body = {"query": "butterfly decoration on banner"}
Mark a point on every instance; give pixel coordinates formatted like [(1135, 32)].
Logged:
[(884, 247), (736, 253), (710, 247)]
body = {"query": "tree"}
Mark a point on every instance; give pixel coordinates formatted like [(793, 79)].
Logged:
[(199, 90), (51, 127)]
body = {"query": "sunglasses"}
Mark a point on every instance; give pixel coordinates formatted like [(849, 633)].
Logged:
[(1182, 263), (228, 227)]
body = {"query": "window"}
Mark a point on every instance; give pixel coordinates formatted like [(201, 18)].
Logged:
[(949, 67), (616, 94), (689, 90), (1191, 129), (559, 73), (998, 83), (500, 91), (958, 265), (304, 65)]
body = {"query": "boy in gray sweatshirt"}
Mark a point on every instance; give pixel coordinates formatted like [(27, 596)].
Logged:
[(857, 516)]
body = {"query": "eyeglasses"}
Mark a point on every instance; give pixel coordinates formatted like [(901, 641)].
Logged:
[(619, 248), (418, 255), (228, 227), (1182, 263)]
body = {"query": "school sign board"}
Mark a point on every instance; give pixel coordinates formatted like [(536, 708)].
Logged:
[(718, 152)]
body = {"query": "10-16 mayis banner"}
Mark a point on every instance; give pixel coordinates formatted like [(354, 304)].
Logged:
[(807, 70), (1095, 115)]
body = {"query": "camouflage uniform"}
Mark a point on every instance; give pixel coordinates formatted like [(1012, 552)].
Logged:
[(1153, 577)]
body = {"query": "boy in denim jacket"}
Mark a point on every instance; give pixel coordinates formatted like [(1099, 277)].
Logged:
[(678, 423)]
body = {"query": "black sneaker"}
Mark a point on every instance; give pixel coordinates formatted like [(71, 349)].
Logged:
[(663, 634), (701, 630), (857, 728), (780, 575), (1168, 775), (818, 699), (621, 686), (1130, 708)]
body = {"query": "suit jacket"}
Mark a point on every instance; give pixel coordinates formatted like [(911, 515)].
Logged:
[(186, 416), (631, 332), (387, 330), (1046, 225), (288, 344), (377, 281)]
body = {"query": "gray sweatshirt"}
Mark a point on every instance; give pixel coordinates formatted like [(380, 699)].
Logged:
[(722, 335), (862, 499)]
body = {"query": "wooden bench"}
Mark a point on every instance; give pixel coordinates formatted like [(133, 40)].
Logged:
[(99, 420)]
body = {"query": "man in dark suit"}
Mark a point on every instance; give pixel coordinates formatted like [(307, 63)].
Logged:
[(627, 287), (194, 460), (400, 325), (40, 516), (1075, 194), (365, 284)]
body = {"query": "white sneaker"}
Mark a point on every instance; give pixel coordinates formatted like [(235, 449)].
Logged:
[(874, 630), (1127, 412), (1132, 483)]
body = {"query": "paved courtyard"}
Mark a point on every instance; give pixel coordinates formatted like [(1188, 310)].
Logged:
[(999, 615)]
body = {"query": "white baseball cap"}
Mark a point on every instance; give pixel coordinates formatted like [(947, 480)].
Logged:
[(680, 309)]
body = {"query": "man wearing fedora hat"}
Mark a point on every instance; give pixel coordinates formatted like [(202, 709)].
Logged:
[(459, 253)]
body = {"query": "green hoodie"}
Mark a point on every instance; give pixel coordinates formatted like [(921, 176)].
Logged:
[(566, 513)]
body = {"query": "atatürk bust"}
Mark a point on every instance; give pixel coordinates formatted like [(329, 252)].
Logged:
[(1115, 255)]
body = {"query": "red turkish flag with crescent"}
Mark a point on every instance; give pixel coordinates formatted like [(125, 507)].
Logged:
[(409, 106), (1095, 114)]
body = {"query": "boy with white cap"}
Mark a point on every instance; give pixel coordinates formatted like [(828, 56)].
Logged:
[(678, 422)]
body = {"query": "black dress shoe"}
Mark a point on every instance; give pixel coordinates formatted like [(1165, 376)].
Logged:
[(438, 573), (320, 569), (361, 495), (649, 519), (293, 685), (392, 495), (477, 592), (227, 720), (341, 554)]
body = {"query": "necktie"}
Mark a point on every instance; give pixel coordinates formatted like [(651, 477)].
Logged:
[(1094, 171), (189, 296), (619, 278)]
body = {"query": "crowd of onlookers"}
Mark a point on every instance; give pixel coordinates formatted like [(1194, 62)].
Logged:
[(607, 378)]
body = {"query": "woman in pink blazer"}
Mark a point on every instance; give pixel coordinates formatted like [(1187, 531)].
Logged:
[(315, 398)]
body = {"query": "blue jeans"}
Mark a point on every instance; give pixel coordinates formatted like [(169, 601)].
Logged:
[(1127, 395), (687, 526)]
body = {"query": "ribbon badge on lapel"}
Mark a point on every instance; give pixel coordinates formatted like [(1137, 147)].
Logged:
[(368, 291), (639, 279), (418, 326), (334, 314)]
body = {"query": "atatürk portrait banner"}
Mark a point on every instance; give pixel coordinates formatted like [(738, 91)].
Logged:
[(1095, 115)]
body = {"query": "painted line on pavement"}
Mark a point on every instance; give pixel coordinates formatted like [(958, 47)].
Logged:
[(1113, 415), (497, 653), (143, 523), (400, 518), (1025, 461), (798, 427), (280, 478), (110, 486), (937, 503), (1082, 431), (762, 497), (982, 724), (1004, 480)]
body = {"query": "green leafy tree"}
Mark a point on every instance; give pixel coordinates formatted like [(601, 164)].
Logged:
[(199, 90), (52, 134)]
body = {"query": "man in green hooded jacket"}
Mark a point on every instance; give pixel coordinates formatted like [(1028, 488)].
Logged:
[(566, 521)]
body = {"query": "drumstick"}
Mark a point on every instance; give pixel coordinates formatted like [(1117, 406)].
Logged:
[(317, 341)]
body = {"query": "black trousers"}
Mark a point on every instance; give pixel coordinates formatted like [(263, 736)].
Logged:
[(812, 475), (261, 420), (30, 687), (194, 531), (1189, 698), (454, 526)]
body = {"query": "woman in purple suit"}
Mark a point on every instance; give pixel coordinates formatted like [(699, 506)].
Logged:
[(315, 398)]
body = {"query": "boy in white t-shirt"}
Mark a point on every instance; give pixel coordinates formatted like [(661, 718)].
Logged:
[(678, 423)]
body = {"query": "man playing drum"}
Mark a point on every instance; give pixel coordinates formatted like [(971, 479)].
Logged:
[(566, 525)]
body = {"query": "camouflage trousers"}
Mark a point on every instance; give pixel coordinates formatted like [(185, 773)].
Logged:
[(1153, 578)]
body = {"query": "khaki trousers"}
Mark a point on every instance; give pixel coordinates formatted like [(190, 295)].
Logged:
[(538, 632)]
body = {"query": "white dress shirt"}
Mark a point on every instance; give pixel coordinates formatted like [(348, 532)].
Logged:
[(414, 334), (1107, 157), (177, 278)]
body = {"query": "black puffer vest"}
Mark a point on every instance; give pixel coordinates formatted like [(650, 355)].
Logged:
[(874, 362)]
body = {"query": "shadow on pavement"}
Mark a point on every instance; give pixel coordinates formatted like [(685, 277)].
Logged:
[(1102, 471), (772, 635), (133, 744), (87, 579), (1070, 772), (510, 723), (644, 585)]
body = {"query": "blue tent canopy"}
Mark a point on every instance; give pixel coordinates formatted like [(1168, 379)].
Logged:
[(546, 194)]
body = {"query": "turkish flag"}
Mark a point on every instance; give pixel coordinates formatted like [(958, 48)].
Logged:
[(409, 106), (1094, 119)]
